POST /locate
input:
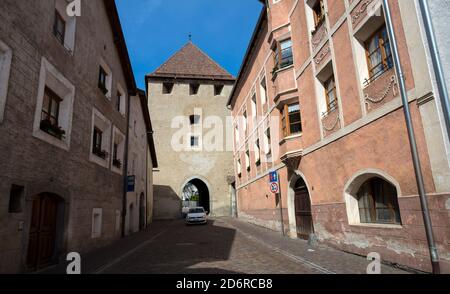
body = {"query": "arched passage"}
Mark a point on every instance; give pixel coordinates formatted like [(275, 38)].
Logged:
[(299, 208), (46, 230), (196, 192)]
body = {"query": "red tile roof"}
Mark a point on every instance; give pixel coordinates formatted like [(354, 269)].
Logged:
[(192, 63)]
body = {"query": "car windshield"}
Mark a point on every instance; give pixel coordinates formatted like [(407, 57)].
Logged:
[(196, 210)]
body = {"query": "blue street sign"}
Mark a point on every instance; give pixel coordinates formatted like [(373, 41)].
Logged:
[(131, 182), (273, 177)]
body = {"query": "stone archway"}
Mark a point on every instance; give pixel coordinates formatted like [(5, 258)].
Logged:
[(196, 192)]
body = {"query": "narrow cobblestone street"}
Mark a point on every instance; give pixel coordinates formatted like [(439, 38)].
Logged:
[(222, 246)]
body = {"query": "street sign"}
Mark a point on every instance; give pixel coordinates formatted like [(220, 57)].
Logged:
[(273, 177), (274, 188), (131, 182)]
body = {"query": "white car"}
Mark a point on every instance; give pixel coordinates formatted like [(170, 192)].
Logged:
[(196, 215)]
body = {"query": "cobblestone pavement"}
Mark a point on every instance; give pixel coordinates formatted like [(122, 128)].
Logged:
[(222, 246)]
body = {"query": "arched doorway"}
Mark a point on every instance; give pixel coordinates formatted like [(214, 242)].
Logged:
[(196, 193), (46, 229), (303, 214), (142, 213)]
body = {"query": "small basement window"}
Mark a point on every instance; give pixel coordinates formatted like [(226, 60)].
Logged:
[(167, 88), (193, 89), (16, 199)]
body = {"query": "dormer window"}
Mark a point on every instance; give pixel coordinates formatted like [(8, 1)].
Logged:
[(193, 89)]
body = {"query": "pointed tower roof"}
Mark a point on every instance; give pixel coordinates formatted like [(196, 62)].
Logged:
[(192, 63)]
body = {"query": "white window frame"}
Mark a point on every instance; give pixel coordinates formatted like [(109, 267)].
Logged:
[(50, 77), (104, 124), (119, 139), (123, 100), (5, 69), (97, 222), (70, 25)]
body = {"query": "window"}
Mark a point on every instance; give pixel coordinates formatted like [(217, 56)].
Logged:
[(254, 110), (121, 100), (245, 122), (218, 90), (16, 199), (105, 79), (96, 223), (236, 135), (59, 27), (283, 54), (194, 141), (194, 119), (263, 91), (330, 94), (378, 203), (319, 13), (101, 140), (102, 80), (247, 160), (268, 142), (378, 52), (257, 153), (167, 88), (54, 107), (97, 149), (117, 150), (50, 114), (239, 167), (291, 120), (64, 26), (5, 67), (193, 89)]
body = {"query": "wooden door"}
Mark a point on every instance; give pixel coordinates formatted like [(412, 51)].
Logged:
[(42, 236), (303, 215)]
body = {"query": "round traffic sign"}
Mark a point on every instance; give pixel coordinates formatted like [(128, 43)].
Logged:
[(274, 188)]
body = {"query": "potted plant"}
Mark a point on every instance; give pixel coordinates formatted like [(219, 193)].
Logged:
[(117, 163), (52, 129)]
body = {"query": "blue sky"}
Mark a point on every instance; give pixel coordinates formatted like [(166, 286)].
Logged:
[(156, 29)]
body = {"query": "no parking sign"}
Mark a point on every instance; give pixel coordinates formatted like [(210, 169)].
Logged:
[(274, 188)]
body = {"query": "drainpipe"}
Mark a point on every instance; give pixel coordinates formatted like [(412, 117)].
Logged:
[(412, 141), (125, 168), (437, 64)]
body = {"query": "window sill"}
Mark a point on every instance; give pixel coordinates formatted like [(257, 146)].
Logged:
[(277, 72), (377, 226), (52, 140), (291, 137)]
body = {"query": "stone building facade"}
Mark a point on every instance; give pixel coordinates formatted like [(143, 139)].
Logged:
[(187, 97), (64, 87), (317, 100), (141, 162)]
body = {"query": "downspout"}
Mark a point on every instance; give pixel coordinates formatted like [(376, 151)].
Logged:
[(412, 141), (437, 64), (125, 168)]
